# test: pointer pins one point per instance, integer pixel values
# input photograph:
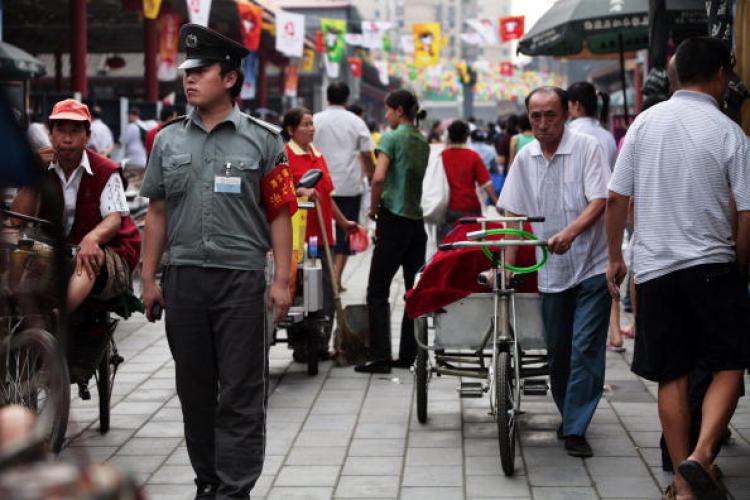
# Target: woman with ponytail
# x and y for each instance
(583, 99)
(400, 239)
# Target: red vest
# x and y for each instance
(127, 242)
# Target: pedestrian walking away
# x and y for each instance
(220, 197)
(400, 238)
(563, 176)
(685, 163)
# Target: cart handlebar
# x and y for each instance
(26, 218)
(492, 244)
(479, 220)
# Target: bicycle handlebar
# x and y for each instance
(492, 244)
(479, 220)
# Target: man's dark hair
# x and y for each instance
(86, 125)
(458, 132)
(166, 113)
(224, 69)
(372, 125)
(96, 112)
(698, 59)
(357, 109)
(561, 94)
(337, 93)
(523, 122)
(134, 111)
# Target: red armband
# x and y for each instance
(277, 190)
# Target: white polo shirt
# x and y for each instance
(560, 189)
(341, 136)
(591, 126)
(112, 199)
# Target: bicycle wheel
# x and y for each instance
(35, 375)
(505, 412)
(420, 370)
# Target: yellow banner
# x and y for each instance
(308, 61)
(426, 44)
(151, 8)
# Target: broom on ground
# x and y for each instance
(350, 344)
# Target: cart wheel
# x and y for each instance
(35, 375)
(312, 336)
(421, 370)
(505, 412)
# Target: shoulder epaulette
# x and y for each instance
(173, 121)
(268, 126)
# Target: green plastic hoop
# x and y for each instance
(524, 234)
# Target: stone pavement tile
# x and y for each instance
(307, 475)
(427, 493)
(330, 422)
(283, 429)
(299, 493)
(560, 475)
(84, 454)
(262, 487)
(159, 395)
(536, 457)
(484, 430)
(602, 430)
(620, 487)
(323, 438)
(367, 487)
(384, 416)
(437, 421)
(646, 439)
(136, 408)
(739, 448)
(481, 448)
(545, 439)
(434, 456)
(168, 415)
(372, 466)
(652, 456)
(338, 407)
(345, 383)
(380, 430)
(613, 446)
(318, 455)
(641, 423)
(484, 415)
(272, 464)
(161, 429)
(434, 439)
(158, 383)
(150, 446)
(734, 466)
(179, 457)
(432, 475)
(376, 448)
(739, 487)
(286, 414)
(173, 474)
(133, 463)
(530, 421)
(169, 492)
(605, 467)
(663, 478)
(115, 437)
(496, 486)
(554, 493)
(128, 421)
(490, 466)
(278, 445)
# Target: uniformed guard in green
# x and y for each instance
(220, 198)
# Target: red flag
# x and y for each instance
(277, 190)
(355, 65)
(511, 28)
(320, 44)
(507, 68)
(251, 24)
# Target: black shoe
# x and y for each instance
(577, 446)
(206, 491)
(559, 432)
(374, 366)
(402, 363)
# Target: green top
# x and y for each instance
(409, 152)
(207, 228)
(523, 140)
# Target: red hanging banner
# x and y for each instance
(169, 41)
(507, 68)
(355, 65)
(511, 28)
(251, 23)
(320, 44)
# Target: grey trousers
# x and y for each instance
(214, 322)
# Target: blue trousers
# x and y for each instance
(576, 323)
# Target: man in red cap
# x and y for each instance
(95, 216)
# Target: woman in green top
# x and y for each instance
(518, 141)
(400, 238)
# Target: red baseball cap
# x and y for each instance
(70, 109)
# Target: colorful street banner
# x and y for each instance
(169, 41)
(150, 8)
(407, 44)
(251, 23)
(290, 33)
(308, 61)
(354, 39)
(382, 67)
(426, 44)
(511, 28)
(472, 38)
(291, 79)
(333, 68)
(199, 11)
(320, 43)
(250, 68)
(387, 43)
(485, 28)
(355, 66)
(333, 35)
(373, 33)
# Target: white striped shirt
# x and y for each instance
(681, 160)
(560, 190)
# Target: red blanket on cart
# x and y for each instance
(452, 274)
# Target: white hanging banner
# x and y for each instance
(484, 28)
(373, 32)
(472, 38)
(354, 39)
(199, 11)
(382, 67)
(333, 69)
(290, 33)
(407, 44)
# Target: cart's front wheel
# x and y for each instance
(421, 370)
(505, 411)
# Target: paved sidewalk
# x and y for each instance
(347, 435)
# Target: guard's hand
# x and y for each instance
(561, 242)
(616, 272)
(310, 193)
(90, 258)
(152, 294)
(372, 214)
(350, 226)
(48, 155)
(279, 299)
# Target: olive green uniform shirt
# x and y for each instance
(409, 152)
(207, 228)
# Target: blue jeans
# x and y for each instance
(576, 323)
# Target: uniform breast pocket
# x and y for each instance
(176, 169)
(244, 168)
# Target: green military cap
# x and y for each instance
(204, 46)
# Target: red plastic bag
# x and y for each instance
(358, 241)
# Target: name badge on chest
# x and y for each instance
(227, 184)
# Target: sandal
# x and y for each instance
(670, 493)
(615, 348)
(701, 482)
